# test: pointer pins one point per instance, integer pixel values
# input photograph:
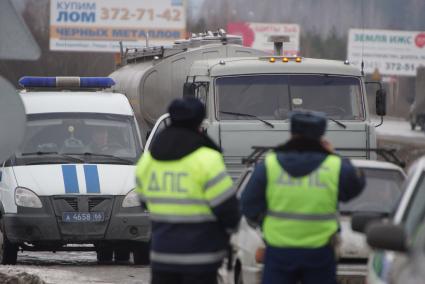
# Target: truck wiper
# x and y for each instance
(38, 153)
(338, 122)
(249, 115)
(41, 153)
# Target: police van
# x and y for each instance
(70, 186)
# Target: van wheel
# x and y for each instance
(141, 254)
(121, 255)
(8, 251)
(104, 256)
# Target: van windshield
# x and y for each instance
(101, 138)
(272, 97)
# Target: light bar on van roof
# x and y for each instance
(66, 82)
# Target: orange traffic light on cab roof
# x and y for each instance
(298, 59)
(285, 59)
(272, 60)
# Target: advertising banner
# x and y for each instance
(256, 35)
(99, 25)
(388, 52)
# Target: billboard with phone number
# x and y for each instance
(389, 52)
(99, 25)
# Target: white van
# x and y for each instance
(70, 185)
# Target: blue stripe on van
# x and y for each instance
(70, 178)
(92, 178)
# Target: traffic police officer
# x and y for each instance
(190, 198)
(294, 194)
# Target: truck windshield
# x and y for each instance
(381, 194)
(272, 97)
(101, 138)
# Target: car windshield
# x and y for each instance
(272, 97)
(381, 194)
(98, 136)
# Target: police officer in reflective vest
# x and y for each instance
(294, 195)
(190, 198)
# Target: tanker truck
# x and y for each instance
(247, 93)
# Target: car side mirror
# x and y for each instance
(189, 90)
(381, 102)
(360, 220)
(387, 237)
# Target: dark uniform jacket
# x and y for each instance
(174, 143)
(298, 157)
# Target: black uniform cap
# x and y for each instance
(309, 124)
(188, 112)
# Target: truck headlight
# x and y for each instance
(26, 198)
(131, 200)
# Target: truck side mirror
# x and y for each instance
(189, 90)
(148, 133)
(381, 102)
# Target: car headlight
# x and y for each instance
(26, 198)
(131, 200)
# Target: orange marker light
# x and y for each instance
(285, 59)
(298, 59)
(272, 59)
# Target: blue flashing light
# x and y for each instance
(96, 82)
(41, 82)
(66, 82)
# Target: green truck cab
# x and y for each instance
(249, 95)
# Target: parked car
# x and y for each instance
(383, 190)
(400, 244)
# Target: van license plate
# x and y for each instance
(83, 217)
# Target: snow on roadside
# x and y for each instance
(399, 129)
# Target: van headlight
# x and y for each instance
(26, 198)
(131, 200)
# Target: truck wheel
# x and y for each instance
(8, 251)
(104, 256)
(412, 125)
(141, 254)
(121, 255)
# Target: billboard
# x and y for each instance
(256, 35)
(389, 52)
(99, 25)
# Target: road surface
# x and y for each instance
(75, 267)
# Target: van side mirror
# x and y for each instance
(189, 90)
(381, 102)
(387, 237)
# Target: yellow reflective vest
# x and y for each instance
(184, 190)
(302, 211)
